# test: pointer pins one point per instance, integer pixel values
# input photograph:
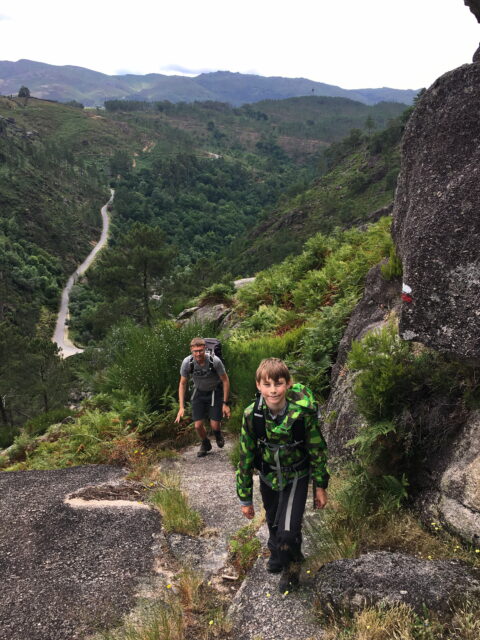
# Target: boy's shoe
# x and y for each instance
(273, 566)
(205, 447)
(219, 439)
(290, 578)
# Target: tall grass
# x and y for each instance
(172, 503)
(243, 357)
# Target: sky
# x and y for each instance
(404, 44)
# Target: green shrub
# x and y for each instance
(86, 441)
(216, 293)
(244, 548)
(39, 424)
(312, 362)
(147, 361)
(243, 357)
(268, 318)
(387, 372)
(393, 268)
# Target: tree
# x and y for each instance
(370, 124)
(132, 270)
(24, 92)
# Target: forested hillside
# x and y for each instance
(191, 181)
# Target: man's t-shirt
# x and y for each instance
(204, 378)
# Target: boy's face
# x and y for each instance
(274, 392)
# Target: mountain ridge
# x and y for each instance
(92, 88)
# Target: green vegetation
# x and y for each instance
(177, 516)
(189, 607)
(401, 622)
(244, 548)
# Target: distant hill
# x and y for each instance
(91, 88)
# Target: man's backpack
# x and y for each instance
(213, 347)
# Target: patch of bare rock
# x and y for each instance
(67, 572)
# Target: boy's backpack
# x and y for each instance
(260, 432)
(213, 347)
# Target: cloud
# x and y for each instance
(184, 71)
(4, 17)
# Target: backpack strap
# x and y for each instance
(192, 364)
(298, 439)
(259, 424)
(260, 433)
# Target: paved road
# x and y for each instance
(66, 572)
(60, 335)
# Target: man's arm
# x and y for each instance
(182, 389)
(226, 393)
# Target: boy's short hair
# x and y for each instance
(272, 368)
(197, 342)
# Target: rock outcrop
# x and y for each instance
(474, 6)
(214, 313)
(437, 216)
(392, 578)
(341, 418)
(449, 489)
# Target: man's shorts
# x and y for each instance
(207, 404)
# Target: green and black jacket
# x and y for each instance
(300, 404)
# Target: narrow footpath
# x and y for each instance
(258, 610)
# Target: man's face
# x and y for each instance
(274, 392)
(198, 352)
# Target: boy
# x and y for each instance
(210, 393)
(281, 438)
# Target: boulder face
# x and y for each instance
(437, 217)
(449, 492)
(392, 578)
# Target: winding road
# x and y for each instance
(60, 336)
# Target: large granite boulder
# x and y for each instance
(449, 487)
(382, 577)
(437, 216)
(474, 6)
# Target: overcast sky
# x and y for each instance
(405, 44)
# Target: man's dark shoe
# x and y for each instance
(290, 578)
(273, 566)
(205, 447)
(220, 440)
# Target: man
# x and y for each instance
(210, 394)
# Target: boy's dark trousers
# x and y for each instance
(285, 528)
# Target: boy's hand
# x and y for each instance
(321, 498)
(249, 511)
(180, 414)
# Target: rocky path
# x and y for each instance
(258, 610)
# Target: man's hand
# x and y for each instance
(225, 411)
(180, 414)
(321, 498)
(249, 511)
